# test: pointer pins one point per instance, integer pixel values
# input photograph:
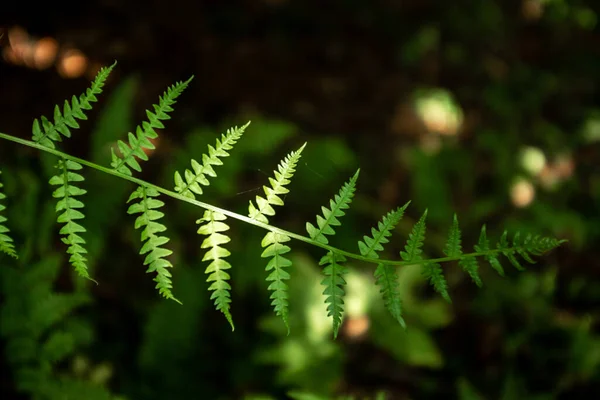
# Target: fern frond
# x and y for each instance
(454, 249)
(334, 283)
(483, 246)
(505, 249)
(201, 172)
(470, 265)
(330, 217)
(275, 249)
(70, 207)
(413, 252)
(369, 246)
(6, 242)
(416, 238)
(148, 207)
(285, 172)
(273, 242)
(386, 276)
(433, 272)
(145, 132)
(531, 245)
(216, 254)
(49, 132)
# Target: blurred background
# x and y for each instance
(489, 109)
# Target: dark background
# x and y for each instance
(378, 85)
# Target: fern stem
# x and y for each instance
(251, 221)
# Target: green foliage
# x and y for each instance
(145, 132)
(213, 229)
(274, 246)
(41, 334)
(68, 207)
(70, 114)
(385, 275)
(201, 172)
(273, 241)
(454, 249)
(334, 271)
(148, 207)
(6, 242)
(431, 270)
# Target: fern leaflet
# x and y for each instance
(330, 217)
(272, 242)
(275, 249)
(148, 207)
(6, 242)
(141, 140)
(433, 272)
(385, 275)
(483, 246)
(334, 272)
(334, 283)
(201, 172)
(216, 255)
(413, 252)
(454, 249)
(71, 112)
(69, 208)
(285, 172)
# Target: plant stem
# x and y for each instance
(240, 217)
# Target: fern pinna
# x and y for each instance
(212, 221)
(385, 275)
(334, 270)
(214, 228)
(273, 242)
(68, 206)
(130, 153)
(6, 242)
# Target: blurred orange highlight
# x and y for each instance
(72, 64)
(23, 49)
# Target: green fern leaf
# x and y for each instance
(334, 283)
(453, 249)
(369, 246)
(483, 246)
(49, 132)
(386, 276)
(6, 242)
(509, 252)
(272, 241)
(216, 254)
(275, 249)
(145, 132)
(538, 245)
(155, 259)
(412, 250)
(200, 172)
(453, 245)
(330, 217)
(433, 272)
(285, 172)
(470, 265)
(68, 207)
